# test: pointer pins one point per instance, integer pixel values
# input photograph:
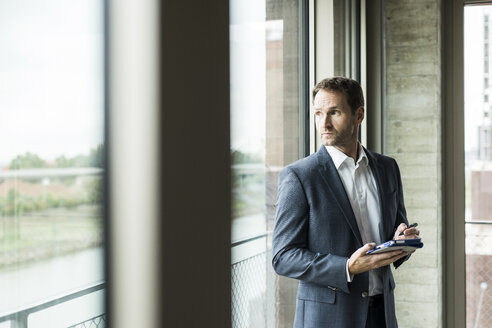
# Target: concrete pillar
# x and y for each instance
(413, 138)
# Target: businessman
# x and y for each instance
(332, 207)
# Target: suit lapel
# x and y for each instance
(378, 171)
(330, 176)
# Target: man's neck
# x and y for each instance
(351, 151)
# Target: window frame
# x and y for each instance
(324, 57)
(453, 250)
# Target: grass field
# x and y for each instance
(39, 235)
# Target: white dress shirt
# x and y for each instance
(361, 189)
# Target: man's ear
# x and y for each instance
(359, 114)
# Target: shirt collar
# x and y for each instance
(339, 157)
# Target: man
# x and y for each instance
(334, 206)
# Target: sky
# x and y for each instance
(474, 75)
(249, 33)
(51, 77)
(473, 70)
(248, 76)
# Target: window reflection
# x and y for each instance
(264, 105)
(51, 158)
(265, 136)
(478, 167)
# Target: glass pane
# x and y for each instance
(265, 125)
(51, 159)
(478, 167)
(264, 104)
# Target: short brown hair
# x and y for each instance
(349, 87)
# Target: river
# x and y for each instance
(44, 280)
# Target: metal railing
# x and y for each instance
(19, 319)
(95, 322)
(478, 246)
(249, 277)
(249, 293)
(247, 240)
(50, 173)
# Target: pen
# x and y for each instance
(413, 225)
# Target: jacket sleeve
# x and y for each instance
(401, 213)
(291, 256)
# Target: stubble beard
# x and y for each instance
(341, 140)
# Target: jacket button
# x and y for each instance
(365, 294)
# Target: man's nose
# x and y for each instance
(327, 121)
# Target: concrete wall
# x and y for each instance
(413, 138)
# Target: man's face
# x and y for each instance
(335, 122)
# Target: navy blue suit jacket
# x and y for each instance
(316, 232)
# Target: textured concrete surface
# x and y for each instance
(413, 138)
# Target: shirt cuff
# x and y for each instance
(350, 277)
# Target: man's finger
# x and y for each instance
(391, 259)
(411, 231)
(412, 237)
(399, 230)
(363, 250)
(366, 248)
(401, 227)
(396, 258)
(387, 255)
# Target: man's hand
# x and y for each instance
(411, 233)
(361, 262)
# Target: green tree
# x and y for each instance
(62, 161)
(93, 159)
(26, 161)
(238, 157)
(96, 156)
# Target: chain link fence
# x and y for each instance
(96, 322)
(478, 275)
(249, 286)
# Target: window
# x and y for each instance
(478, 172)
(486, 27)
(52, 141)
(271, 128)
(267, 118)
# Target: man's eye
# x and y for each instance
(317, 113)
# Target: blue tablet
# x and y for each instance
(406, 245)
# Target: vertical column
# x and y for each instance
(454, 161)
(413, 137)
(169, 164)
(133, 169)
(194, 252)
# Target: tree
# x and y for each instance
(26, 161)
(62, 161)
(96, 156)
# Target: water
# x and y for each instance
(44, 280)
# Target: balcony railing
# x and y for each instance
(250, 274)
(19, 318)
(478, 249)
